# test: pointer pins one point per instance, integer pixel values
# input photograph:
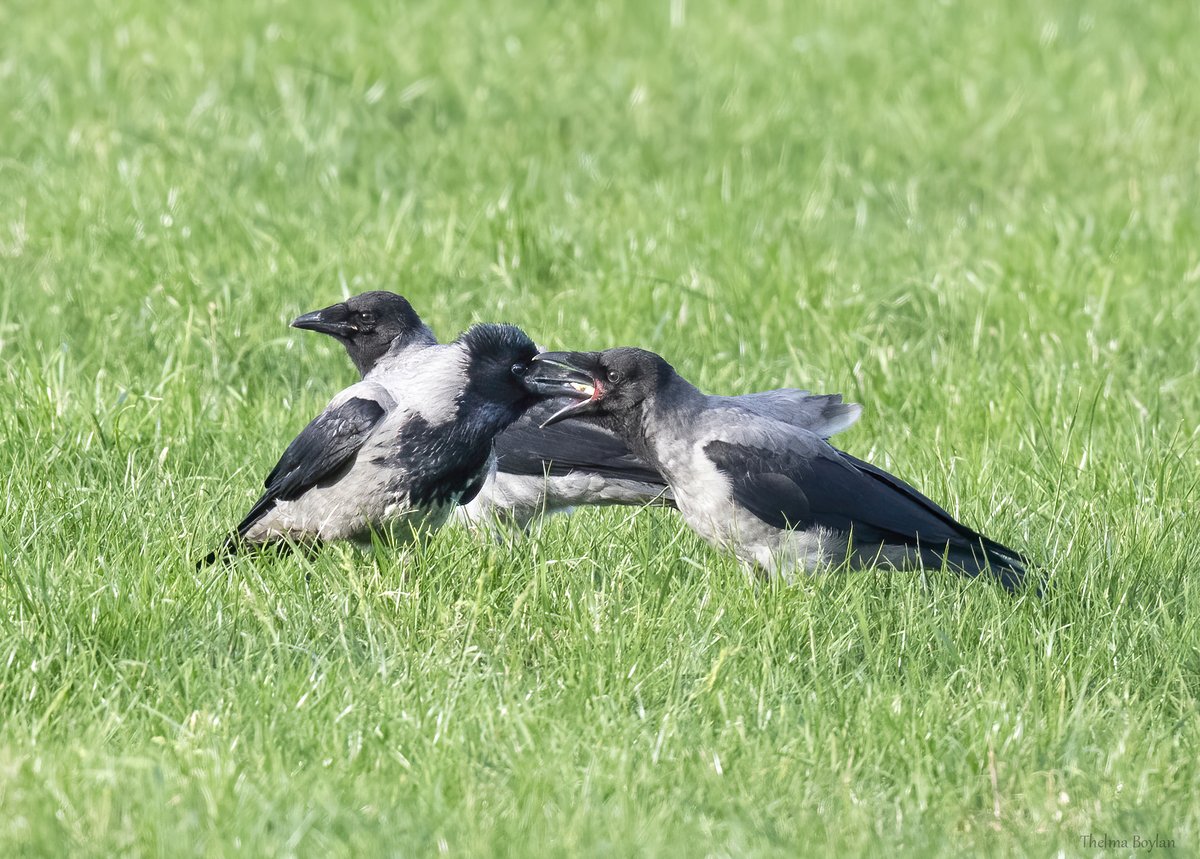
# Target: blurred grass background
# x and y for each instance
(979, 221)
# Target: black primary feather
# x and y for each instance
(992, 546)
(322, 450)
(568, 448)
(829, 489)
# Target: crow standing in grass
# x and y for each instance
(536, 473)
(396, 452)
(777, 495)
(547, 471)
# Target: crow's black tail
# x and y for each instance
(223, 553)
(987, 557)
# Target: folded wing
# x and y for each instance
(321, 451)
(569, 448)
(804, 483)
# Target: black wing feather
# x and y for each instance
(931, 506)
(568, 448)
(787, 489)
(473, 488)
(322, 449)
(830, 489)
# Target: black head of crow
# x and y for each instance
(370, 326)
(611, 387)
(498, 357)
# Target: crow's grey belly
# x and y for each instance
(325, 514)
(518, 499)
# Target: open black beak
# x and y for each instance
(333, 320)
(565, 374)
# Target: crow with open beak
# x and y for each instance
(394, 453)
(775, 494)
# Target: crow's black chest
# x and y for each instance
(441, 465)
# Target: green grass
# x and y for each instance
(979, 220)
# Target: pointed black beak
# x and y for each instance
(334, 320)
(565, 374)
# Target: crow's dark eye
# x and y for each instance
(614, 376)
(367, 317)
(519, 368)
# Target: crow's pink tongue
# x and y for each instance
(589, 394)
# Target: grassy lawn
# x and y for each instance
(980, 220)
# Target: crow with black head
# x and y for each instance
(773, 492)
(370, 326)
(396, 452)
(614, 388)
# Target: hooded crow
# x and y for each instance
(775, 494)
(540, 472)
(394, 453)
